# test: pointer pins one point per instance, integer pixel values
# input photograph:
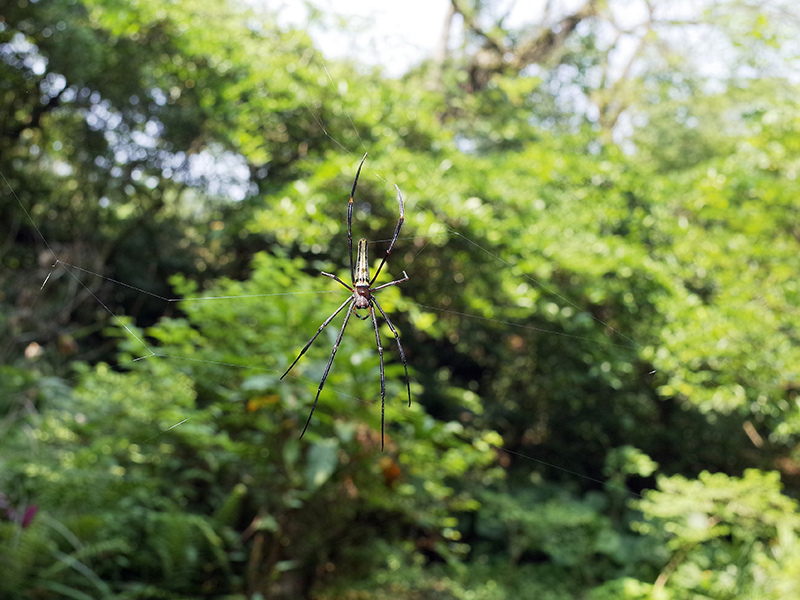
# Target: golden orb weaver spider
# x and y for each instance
(362, 298)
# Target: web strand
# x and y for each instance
(540, 285)
(184, 299)
(30, 218)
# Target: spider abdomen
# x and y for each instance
(362, 268)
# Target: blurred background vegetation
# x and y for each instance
(602, 234)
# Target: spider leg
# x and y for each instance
(321, 327)
(350, 219)
(394, 237)
(335, 278)
(399, 346)
(395, 282)
(383, 376)
(328, 368)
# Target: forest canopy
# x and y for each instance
(601, 321)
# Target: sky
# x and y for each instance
(395, 35)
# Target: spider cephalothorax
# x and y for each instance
(362, 298)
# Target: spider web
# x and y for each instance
(60, 271)
(82, 277)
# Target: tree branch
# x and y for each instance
(496, 55)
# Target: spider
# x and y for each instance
(362, 298)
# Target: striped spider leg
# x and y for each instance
(362, 298)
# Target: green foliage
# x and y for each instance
(728, 537)
(582, 325)
(108, 502)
